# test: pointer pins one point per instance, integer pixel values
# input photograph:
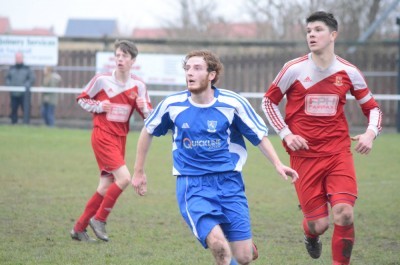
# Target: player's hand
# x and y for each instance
(142, 105)
(295, 142)
(286, 171)
(364, 142)
(106, 105)
(139, 183)
(140, 102)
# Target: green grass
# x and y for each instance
(47, 175)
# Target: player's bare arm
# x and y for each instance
(296, 142)
(139, 178)
(364, 142)
(284, 171)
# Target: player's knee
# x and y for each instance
(244, 258)
(321, 229)
(218, 246)
(318, 227)
(220, 250)
(123, 183)
(102, 188)
(343, 214)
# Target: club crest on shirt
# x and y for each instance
(338, 81)
(133, 95)
(212, 125)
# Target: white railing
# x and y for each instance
(77, 91)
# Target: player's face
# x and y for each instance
(123, 61)
(319, 37)
(198, 79)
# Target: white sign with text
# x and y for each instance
(37, 50)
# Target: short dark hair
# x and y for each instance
(211, 59)
(127, 47)
(325, 17)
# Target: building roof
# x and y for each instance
(5, 25)
(33, 32)
(227, 30)
(5, 28)
(149, 33)
(91, 28)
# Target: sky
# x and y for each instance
(130, 14)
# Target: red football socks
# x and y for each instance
(90, 210)
(110, 199)
(342, 244)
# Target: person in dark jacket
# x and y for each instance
(20, 75)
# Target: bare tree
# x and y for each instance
(285, 20)
(278, 20)
(195, 20)
(388, 29)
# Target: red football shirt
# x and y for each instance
(121, 95)
(315, 104)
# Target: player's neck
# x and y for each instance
(122, 76)
(323, 60)
(203, 97)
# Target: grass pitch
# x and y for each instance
(47, 175)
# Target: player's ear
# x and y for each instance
(211, 75)
(334, 35)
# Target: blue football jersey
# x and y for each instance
(207, 138)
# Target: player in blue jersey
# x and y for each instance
(208, 125)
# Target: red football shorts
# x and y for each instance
(323, 180)
(109, 150)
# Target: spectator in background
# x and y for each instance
(20, 75)
(49, 99)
